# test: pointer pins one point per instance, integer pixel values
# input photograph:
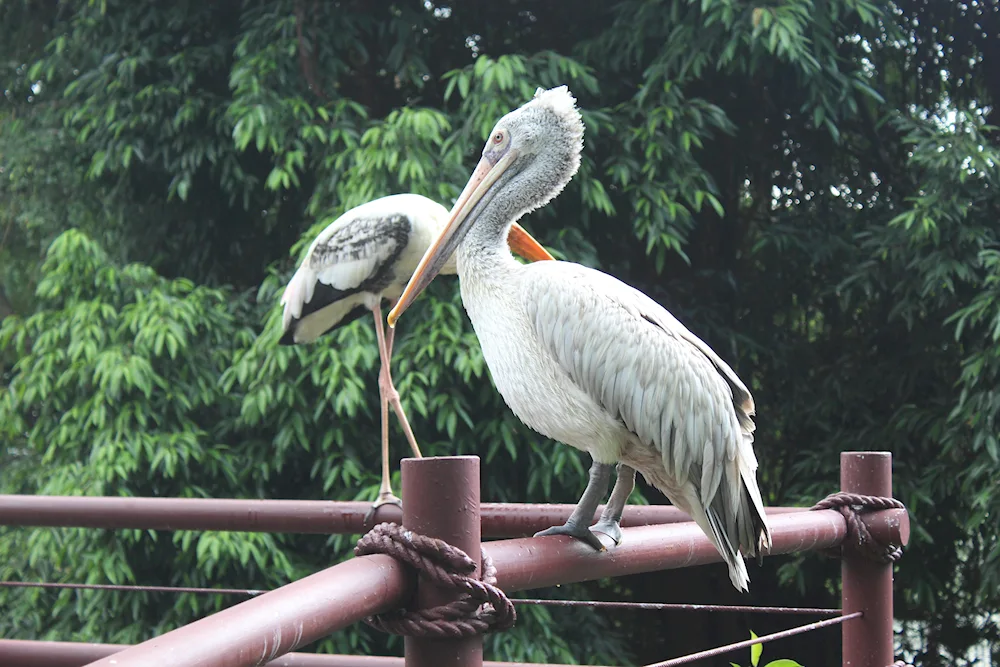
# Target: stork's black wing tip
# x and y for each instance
(288, 338)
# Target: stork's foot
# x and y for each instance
(610, 528)
(384, 498)
(579, 531)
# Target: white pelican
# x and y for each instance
(364, 256)
(587, 360)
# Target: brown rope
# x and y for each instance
(481, 608)
(850, 506)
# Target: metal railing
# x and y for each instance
(441, 500)
(322, 517)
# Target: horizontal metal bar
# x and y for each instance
(279, 621)
(548, 561)
(21, 653)
(323, 517)
(538, 562)
(747, 643)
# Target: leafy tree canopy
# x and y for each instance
(810, 185)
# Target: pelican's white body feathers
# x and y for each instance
(587, 360)
(614, 374)
(364, 256)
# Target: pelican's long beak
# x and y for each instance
(455, 230)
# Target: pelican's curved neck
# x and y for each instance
(485, 248)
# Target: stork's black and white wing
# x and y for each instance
(637, 361)
(350, 261)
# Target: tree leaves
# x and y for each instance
(811, 187)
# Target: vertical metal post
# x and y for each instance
(441, 499)
(867, 585)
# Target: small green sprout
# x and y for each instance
(758, 649)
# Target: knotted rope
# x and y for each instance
(850, 506)
(481, 608)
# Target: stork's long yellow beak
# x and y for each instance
(458, 225)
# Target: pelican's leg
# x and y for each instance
(610, 521)
(578, 524)
(385, 494)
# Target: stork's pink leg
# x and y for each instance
(385, 494)
(385, 380)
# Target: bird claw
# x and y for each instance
(384, 498)
(574, 530)
(610, 528)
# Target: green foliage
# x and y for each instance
(128, 363)
(810, 185)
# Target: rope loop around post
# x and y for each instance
(851, 506)
(482, 607)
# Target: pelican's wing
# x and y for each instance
(353, 255)
(668, 387)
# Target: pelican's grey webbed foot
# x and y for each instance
(610, 528)
(610, 522)
(579, 521)
(384, 498)
(577, 530)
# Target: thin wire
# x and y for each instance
(249, 592)
(660, 606)
(729, 648)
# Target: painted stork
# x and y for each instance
(362, 258)
(587, 360)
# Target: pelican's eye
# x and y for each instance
(498, 137)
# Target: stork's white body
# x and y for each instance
(365, 256)
(362, 258)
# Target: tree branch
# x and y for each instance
(307, 59)
(6, 308)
